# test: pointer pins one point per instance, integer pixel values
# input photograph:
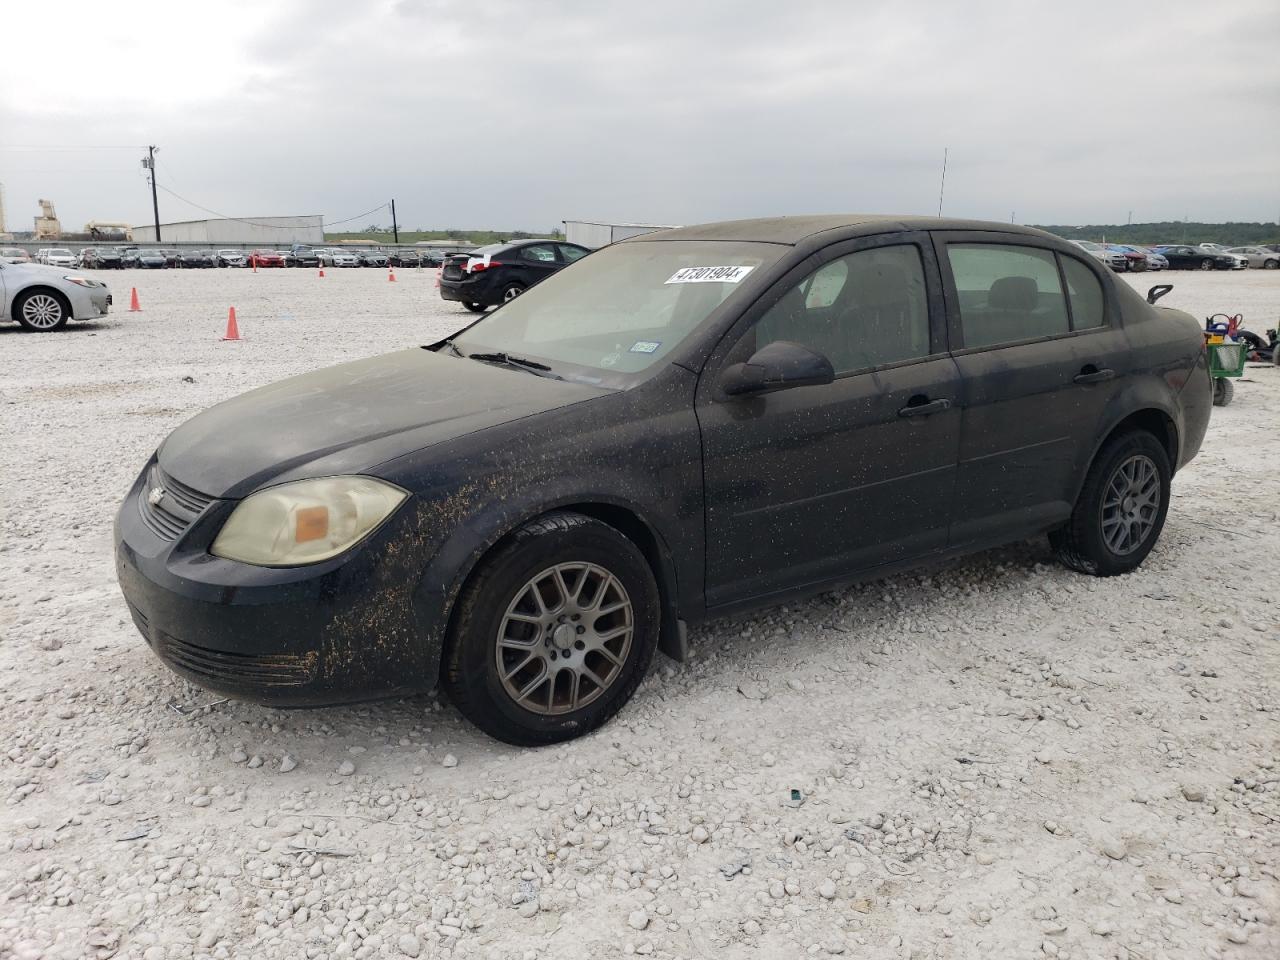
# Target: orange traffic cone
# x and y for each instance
(133, 302)
(391, 274)
(233, 331)
(322, 273)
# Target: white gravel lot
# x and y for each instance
(998, 758)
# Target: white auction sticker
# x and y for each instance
(709, 274)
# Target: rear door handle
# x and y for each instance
(1089, 375)
(926, 408)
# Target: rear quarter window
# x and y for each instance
(1085, 293)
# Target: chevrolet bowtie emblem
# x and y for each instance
(155, 495)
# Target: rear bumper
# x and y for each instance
(478, 289)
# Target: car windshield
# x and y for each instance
(620, 311)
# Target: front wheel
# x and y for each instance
(1121, 508)
(554, 632)
(1223, 391)
(1206, 264)
(474, 307)
(41, 311)
(1270, 264)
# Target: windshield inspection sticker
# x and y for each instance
(709, 274)
(645, 346)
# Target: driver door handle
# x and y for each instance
(925, 408)
(1088, 375)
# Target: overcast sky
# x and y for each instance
(488, 113)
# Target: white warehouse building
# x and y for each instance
(264, 230)
(594, 234)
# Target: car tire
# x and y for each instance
(527, 644)
(1223, 391)
(1206, 264)
(474, 307)
(1270, 264)
(1114, 524)
(511, 291)
(41, 310)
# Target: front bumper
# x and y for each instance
(341, 631)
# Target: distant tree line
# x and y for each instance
(1176, 231)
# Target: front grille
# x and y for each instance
(176, 508)
(280, 670)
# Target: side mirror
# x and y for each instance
(777, 366)
(1158, 291)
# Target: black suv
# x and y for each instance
(500, 272)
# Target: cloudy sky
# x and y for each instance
(489, 113)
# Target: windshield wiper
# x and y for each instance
(520, 363)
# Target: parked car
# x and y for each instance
(267, 258)
(56, 257)
(129, 257)
(230, 258)
(152, 260)
(686, 424)
(1182, 256)
(1155, 261)
(495, 274)
(1260, 258)
(14, 255)
(1100, 253)
(110, 258)
(404, 258)
(1134, 261)
(325, 255)
(373, 258)
(170, 257)
(432, 258)
(43, 298)
(195, 259)
(1240, 262)
(345, 258)
(302, 255)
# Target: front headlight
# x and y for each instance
(82, 281)
(306, 521)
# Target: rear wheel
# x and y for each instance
(511, 291)
(1223, 391)
(474, 307)
(554, 632)
(1206, 264)
(41, 311)
(1121, 509)
(1270, 264)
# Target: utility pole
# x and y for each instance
(395, 227)
(149, 161)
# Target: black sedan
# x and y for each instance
(151, 260)
(195, 259)
(495, 274)
(373, 258)
(405, 258)
(686, 424)
(1184, 257)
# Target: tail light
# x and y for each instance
(482, 266)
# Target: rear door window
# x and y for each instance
(569, 254)
(539, 253)
(1007, 293)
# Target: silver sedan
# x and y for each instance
(43, 298)
(1260, 258)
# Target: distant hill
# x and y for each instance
(1147, 234)
(465, 236)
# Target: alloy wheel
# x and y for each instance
(1130, 505)
(42, 311)
(564, 638)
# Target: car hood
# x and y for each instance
(40, 270)
(352, 417)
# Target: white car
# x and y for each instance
(1258, 257)
(43, 298)
(1241, 261)
(14, 255)
(230, 258)
(57, 257)
(325, 255)
(1116, 261)
(345, 258)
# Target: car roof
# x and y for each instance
(794, 230)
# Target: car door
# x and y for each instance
(814, 484)
(538, 261)
(1038, 365)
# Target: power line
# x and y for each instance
(70, 149)
(272, 226)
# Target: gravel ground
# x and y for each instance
(994, 758)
